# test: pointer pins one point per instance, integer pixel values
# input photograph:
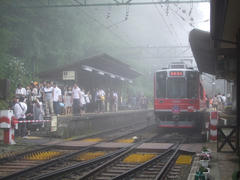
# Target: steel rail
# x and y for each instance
(114, 159)
(78, 165)
(168, 164)
(91, 173)
(59, 159)
(83, 164)
(20, 155)
(134, 170)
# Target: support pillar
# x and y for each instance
(238, 89)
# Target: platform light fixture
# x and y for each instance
(112, 76)
(100, 72)
(87, 68)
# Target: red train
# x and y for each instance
(179, 97)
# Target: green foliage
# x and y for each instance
(35, 40)
(13, 69)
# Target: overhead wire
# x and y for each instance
(106, 27)
(103, 25)
(173, 32)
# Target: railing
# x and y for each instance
(227, 135)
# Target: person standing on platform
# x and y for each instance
(108, 99)
(115, 101)
(88, 101)
(207, 101)
(102, 100)
(82, 101)
(38, 111)
(67, 100)
(48, 91)
(20, 109)
(98, 100)
(76, 94)
(224, 100)
(215, 103)
(20, 91)
(220, 104)
(57, 98)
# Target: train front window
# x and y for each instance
(176, 88)
(192, 85)
(161, 84)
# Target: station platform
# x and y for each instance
(222, 165)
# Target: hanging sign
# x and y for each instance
(68, 75)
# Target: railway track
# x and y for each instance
(126, 166)
(131, 163)
(28, 165)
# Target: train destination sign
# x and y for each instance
(68, 75)
(176, 73)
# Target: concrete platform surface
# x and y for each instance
(76, 143)
(155, 146)
(222, 165)
(196, 147)
(113, 145)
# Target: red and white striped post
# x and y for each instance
(213, 125)
(8, 123)
(207, 126)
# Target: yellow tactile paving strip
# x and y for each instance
(184, 159)
(125, 141)
(92, 140)
(7, 154)
(90, 155)
(43, 155)
(139, 157)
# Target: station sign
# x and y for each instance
(68, 75)
(54, 124)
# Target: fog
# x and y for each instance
(147, 37)
(151, 32)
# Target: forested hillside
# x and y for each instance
(34, 40)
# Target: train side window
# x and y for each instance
(201, 91)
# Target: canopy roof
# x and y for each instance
(216, 51)
(102, 64)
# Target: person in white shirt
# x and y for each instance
(102, 97)
(20, 91)
(220, 102)
(57, 98)
(48, 92)
(115, 101)
(82, 101)
(67, 100)
(87, 99)
(76, 94)
(20, 109)
(224, 99)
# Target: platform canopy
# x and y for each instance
(203, 53)
(90, 71)
(216, 51)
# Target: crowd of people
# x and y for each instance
(217, 102)
(39, 100)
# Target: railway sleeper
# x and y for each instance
(146, 176)
(109, 174)
(119, 171)
(172, 177)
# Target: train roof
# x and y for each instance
(177, 66)
(177, 70)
